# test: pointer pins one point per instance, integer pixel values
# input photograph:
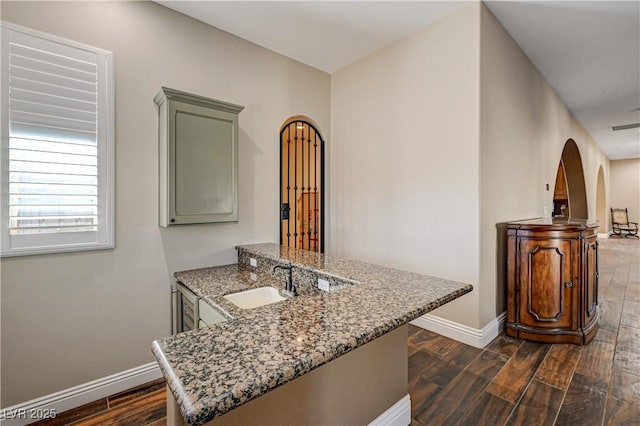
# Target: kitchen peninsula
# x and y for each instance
(336, 356)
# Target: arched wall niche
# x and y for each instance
(571, 166)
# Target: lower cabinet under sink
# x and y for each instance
(190, 311)
(208, 315)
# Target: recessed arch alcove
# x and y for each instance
(575, 195)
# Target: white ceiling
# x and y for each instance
(589, 51)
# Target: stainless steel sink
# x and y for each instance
(255, 297)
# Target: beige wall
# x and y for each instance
(436, 139)
(404, 156)
(625, 187)
(524, 126)
(71, 318)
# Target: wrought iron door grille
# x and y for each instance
(301, 183)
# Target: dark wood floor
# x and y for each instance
(514, 382)
(510, 382)
(144, 405)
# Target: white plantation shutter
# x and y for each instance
(57, 144)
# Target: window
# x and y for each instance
(57, 144)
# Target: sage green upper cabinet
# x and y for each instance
(198, 159)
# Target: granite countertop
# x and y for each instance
(217, 368)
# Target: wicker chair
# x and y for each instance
(620, 225)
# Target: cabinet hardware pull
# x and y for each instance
(568, 284)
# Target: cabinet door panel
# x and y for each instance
(591, 277)
(198, 159)
(546, 286)
(204, 167)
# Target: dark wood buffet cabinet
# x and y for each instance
(552, 280)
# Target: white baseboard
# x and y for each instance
(399, 414)
(56, 403)
(603, 235)
(478, 338)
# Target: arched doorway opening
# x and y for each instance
(570, 195)
(301, 184)
(601, 203)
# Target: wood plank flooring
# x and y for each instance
(144, 405)
(510, 382)
(514, 382)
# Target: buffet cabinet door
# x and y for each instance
(548, 287)
(590, 279)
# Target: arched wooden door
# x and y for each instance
(301, 185)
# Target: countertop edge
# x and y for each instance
(188, 411)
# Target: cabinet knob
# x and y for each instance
(568, 284)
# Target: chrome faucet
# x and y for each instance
(289, 288)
